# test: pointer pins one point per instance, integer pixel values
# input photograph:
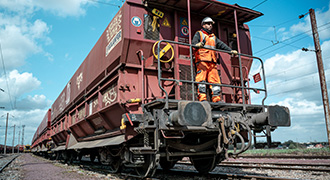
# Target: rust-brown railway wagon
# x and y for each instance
(42, 136)
(132, 102)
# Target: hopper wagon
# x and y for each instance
(132, 103)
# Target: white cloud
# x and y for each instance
(322, 18)
(19, 84)
(22, 83)
(301, 107)
(35, 102)
(20, 39)
(293, 81)
(294, 72)
(31, 119)
(63, 7)
(18, 6)
(21, 36)
(58, 7)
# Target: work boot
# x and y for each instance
(216, 99)
(202, 97)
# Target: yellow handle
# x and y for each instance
(163, 51)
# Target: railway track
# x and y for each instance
(5, 160)
(284, 157)
(178, 173)
(229, 169)
(218, 175)
(277, 163)
(280, 167)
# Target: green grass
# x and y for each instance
(269, 152)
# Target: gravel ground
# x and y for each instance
(297, 161)
(28, 166)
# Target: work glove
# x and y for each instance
(200, 44)
(234, 52)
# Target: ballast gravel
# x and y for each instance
(31, 167)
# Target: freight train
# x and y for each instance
(133, 104)
(9, 149)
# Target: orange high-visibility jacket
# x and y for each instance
(209, 42)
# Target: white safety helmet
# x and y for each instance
(207, 19)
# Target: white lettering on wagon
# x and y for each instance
(114, 26)
(109, 96)
(79, 80)
(62, 100)
(115, 40)
(113, 33)
(68, 92)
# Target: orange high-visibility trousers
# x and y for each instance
(207, 72)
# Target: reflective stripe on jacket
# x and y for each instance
(206, 54)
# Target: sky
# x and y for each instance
(44, 42)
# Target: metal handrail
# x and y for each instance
(221, 85)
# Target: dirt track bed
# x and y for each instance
(28, 166)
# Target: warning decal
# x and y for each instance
(184, 22)
(166, 23)
(184, 30)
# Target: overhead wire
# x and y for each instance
(283, 46)
(290, 44)
(295, 78)
(292, 90)
(277, 25)
(306, 32)
(101, 2)
(280, 24)
(295, 67)
(258, 4)
(283, 41)
(6, 77)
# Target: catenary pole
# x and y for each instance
(23, 135)
(5, 149)
(320, 66)
(19, 136)
(13, 147)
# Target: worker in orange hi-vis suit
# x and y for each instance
(206, 60)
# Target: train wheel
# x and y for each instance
(65, 156)
(92, 157)
(205, 164)
(107, 159)
(80, 157)
(114, 166)
(72, 157)
(148, 167)
(167, 165)
(58, 156)
(53, 156)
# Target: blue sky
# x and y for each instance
(43, 43)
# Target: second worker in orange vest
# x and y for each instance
(206, 60)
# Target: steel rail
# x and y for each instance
(11, 160)
(275, 163)
(85, 164)
(286, 157)
(258, 166)
(99, 168)
(221, 175)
